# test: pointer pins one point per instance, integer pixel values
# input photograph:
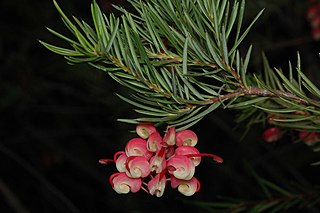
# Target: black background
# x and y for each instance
(58, 120)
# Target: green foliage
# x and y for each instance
(276, 199)
(180, 61)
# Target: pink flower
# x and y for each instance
(157, 185)
(123, 184)
(186, 138)
(144, 130)
(186, 187)
(181, 167)
(137, 167)
(170, 137)
(137, 147)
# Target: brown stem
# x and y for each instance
(256, 91)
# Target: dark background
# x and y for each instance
(58, 120)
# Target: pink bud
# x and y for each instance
(181, 167)
(123, 184)
(154, 142)
(144, 130)
(185, 187)
(186, 138)
(170, 137)
(189, 150)
(157, 185)
(137, 147)
(137, 167)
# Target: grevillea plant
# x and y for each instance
(150, 161)
(180, 60)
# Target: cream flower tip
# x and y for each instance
(123, 184)
(186, 187)
(186, 138)
(144, 130)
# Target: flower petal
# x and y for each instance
(137, 167)
(185, 187)
(144, 130)
(158, 163)
(189, 150)
(123, 184)
(138, 147)
(186, 138)
(157, 185)
(170, 137)
(121, 162)
(154, 142)
(181, 167)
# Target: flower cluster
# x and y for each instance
(150, 161)
(313, 15)
(275, 133)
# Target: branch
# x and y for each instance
(256, 91)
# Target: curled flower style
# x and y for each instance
(185, 187)
(138, 147)
(144, 130)
(123, 184)
(181, 167)
(157, 185)
(137, 167)
(150, 161)
(186, 138)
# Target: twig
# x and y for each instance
(256, 91)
